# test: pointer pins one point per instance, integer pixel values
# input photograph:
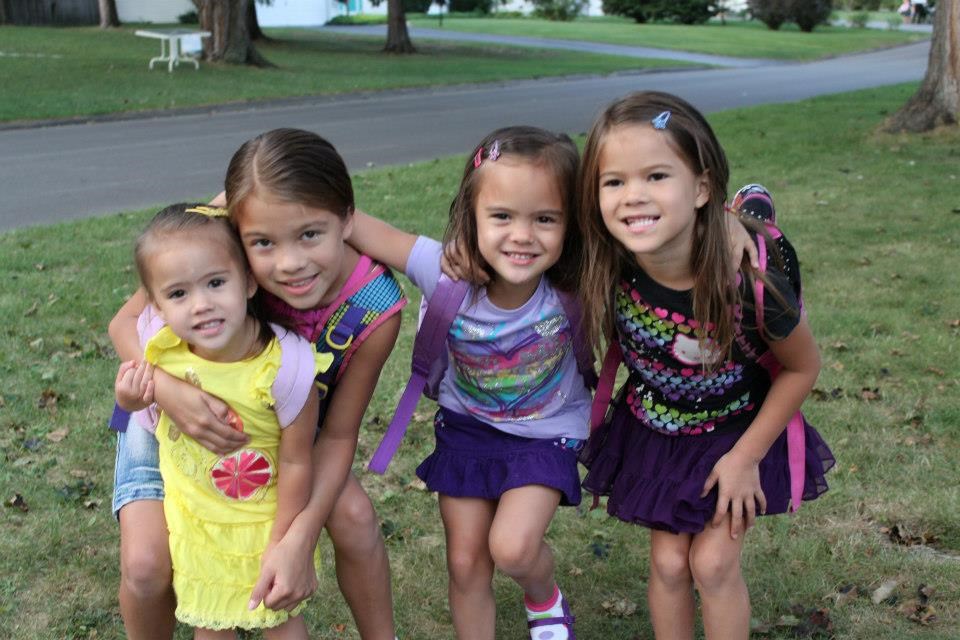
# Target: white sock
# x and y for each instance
(552, 608)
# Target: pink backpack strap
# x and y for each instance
(604, 393)
(796, 435)
(294, 381)
(428, 347)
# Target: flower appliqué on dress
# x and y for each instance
(241, 475)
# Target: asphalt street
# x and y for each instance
(57, 173)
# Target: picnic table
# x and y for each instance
(171, 45)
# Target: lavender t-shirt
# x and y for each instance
(514, 369)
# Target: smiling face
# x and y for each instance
(201, 293)
(520, 226)
(296, 252)
(649, 195)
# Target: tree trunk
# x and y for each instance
(253, 25)
(230, 41)
(108, 13)
(398, 38)
(937, 101)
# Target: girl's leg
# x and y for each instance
(519, 550)
(363, 570)
(466, 522)
(147, 602)
(293, 629)
(210, 634)
(146, 595)
(715, 564)
(670, 590)
(516, 538)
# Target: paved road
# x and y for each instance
(56, 173)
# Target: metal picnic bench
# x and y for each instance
(171, 45)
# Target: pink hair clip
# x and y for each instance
(477, 159)
(494, 151)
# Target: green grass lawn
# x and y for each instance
(744, 39)
(876, 220)
(62, 73)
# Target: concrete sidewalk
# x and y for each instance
(418, 33)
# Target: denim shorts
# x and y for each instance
(136, 473)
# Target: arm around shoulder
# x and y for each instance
(381, 241)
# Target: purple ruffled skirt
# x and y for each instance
(655, 480)
(475, 460)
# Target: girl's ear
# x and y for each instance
(703, 188)
(251, 284)
(347, 226)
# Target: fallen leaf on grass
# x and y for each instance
(619, 607)
(32, 310)
(416, 485)
(868, 394)
(76, 491)
(339, 627)
(936, 371)
(3, 402)
(821, 395)
(844, 595)
(58, 435)
(802, 623)
(36, 344)
(575, 571)
(91, 504)
(900, 534)
(600, 549)
(839, 346)
(424, 416)
(918, 609)
(954, 323)
(48, 400)
(884, 591)
(17, 502)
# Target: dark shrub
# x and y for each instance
(562, 10)
(772, 13)
(809, 13)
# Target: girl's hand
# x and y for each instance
(741, 242)
(452, 263)
(203, 417)
(737, 478)
(134, 385)
(287, 576)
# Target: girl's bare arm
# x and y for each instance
(286, 574)
(381, 241)
(737, 473)
(200, 415)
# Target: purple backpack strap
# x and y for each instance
(581, 350)
(428, 346)
(796, 429)
(119, 419)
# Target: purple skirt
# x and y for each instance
(655, 480)
(475, 460)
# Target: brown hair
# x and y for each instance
(714, 290)
(192, 219)
(558, 154)
(292, 165)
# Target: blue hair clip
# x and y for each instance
(660, 122)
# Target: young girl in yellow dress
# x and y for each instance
(222, 512)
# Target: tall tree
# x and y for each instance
(227, 21)
(108, 13)
(937, 101)
(398, 38)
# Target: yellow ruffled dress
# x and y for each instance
(220, 510)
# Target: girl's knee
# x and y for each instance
(145, 574)
(467, 566)
(353, 525)
(511, 553)
(671, 565)
(713, 570)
